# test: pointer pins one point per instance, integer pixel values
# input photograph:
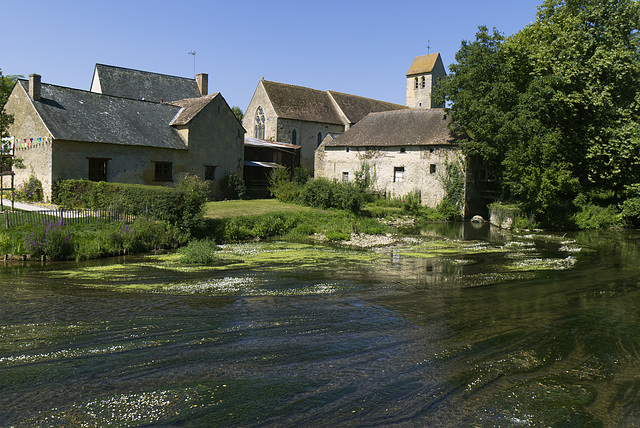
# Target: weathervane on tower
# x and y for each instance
(428, 47)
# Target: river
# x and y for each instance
(493, 329)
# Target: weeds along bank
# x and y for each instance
(169, 218)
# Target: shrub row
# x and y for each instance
(319, 193)
(180, 206)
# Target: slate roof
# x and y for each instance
(136, 84)
(423, 64)
(398, 128)
(190, 107)
(312, 105)
(77, 115)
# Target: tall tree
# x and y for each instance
(6, 85)
(554, 110)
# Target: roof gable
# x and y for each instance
(77, 115)
(190, 107)
(142, 85)
(398, 128)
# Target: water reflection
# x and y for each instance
(456, 339)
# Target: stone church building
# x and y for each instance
(407, 150)
(304, 116)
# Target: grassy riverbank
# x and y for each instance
(223, 222)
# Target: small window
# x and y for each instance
(319, 138)
(98, 169)
(423, 84)
(209, 172)
(345, 177)
(398, 174)
(294, 137)
(403, 150)
(163, 171)
(415, 82)
(347, 149)
(432, 168)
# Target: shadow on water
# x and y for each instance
(505, 333)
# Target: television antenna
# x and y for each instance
(194, 61)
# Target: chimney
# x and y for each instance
(34, 87)
(203, 83)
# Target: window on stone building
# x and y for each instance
(294, 137)
(259, 125)
(163, 171)
(432, 168)
(403, 150)
(398, 174)
(319, 138)
(415, 82)
(423, 83)
(98, 169)
(209, 172)
(345, 177)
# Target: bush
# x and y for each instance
(50, 240)
(596, 217)
(322, 193)
(233, 187)
(200, 252)
(30, 191)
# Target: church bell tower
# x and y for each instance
(423, 75)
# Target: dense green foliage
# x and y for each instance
(6, 86)
(181, 206)
(233, 186)
(317, 193)
(296, 226)
(30, 191)
(59, 240)
(554, 110)
(199, 252)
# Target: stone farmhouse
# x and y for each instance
(407, 151)
(304, 116)
(132, 127)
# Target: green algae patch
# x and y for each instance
(440, 248)
(166, 272)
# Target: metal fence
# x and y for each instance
(25, 218)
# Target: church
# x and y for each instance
(407, 150)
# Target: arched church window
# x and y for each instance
(294, 137)
(423, 84)
(415, 81)
(319, 138)
(259, 129)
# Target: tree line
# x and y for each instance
(553, 111)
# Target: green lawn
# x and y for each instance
(225, 209)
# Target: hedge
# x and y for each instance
(173, 205)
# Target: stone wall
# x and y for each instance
(398, 170)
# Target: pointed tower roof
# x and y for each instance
(423, 64)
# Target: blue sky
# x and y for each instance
(358, 47)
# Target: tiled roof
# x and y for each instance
(312, 105)
(76, 115)
(190, 107)
(423, 64)
(144, 85)
(300, 103)
(355, 107)
(398, 128)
